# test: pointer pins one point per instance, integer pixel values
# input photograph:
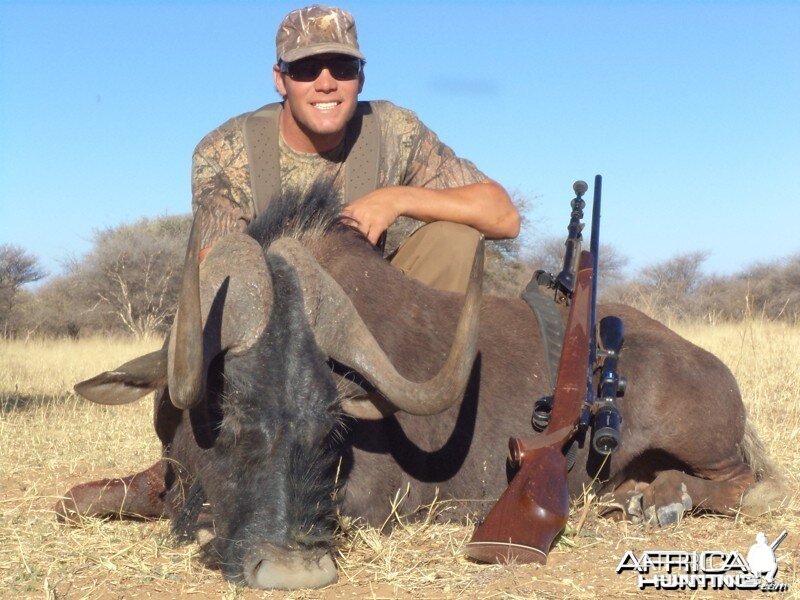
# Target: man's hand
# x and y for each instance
(374, 213)
(483, 206)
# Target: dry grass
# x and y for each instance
(51, 440)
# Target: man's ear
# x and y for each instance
(361, 82)
(277, 77)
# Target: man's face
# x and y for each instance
(320, 98)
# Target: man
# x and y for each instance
(319, 74)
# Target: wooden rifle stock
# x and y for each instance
(534, 508)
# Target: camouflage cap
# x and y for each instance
(316, 30)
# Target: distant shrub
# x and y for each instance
(677, 289)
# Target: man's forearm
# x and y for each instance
(484, 206)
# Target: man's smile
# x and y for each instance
(325, 106)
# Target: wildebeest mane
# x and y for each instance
(304, 215)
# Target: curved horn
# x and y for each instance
(185, 373)
(343, 335)
(223, 306)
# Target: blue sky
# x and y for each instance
(689, 110)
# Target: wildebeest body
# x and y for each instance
(677, 393)
(265, 441)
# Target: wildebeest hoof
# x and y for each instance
(670, 514)
(634, 508)
(686, 499)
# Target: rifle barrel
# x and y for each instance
(594, 249)
(594, 242)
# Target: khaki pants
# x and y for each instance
(439, 254)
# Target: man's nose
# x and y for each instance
(325, 82)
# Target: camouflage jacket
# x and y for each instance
(411, 154)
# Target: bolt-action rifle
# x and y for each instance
(534, 508)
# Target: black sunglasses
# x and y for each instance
(341, 68)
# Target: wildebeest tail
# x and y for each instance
(770, 491)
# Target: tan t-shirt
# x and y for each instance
(411, 154)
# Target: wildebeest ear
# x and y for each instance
(128, 382)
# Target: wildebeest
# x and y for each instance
(304, 372)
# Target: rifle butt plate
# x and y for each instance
(506, 552)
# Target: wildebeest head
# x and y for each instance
(269, 474)
(247, 366)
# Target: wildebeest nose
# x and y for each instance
(269, 567)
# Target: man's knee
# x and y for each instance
(454, 237)
(442, 238)
(439, 254)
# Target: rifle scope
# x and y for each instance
(606, 436)
(607, 419)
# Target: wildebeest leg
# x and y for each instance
(719, 492)
(139, 495)
(625, 502)
(663, 501)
